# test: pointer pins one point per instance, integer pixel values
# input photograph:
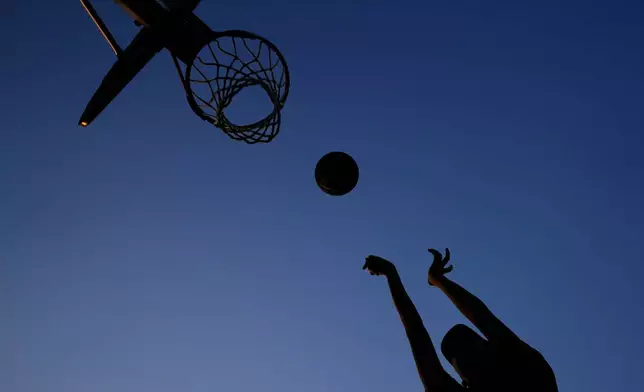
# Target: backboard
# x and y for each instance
(224, 62)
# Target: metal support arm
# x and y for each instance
(102, 27)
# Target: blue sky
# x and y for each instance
(149, 252)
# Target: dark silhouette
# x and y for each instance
(502, 362)
(337, 173)
(217, 65)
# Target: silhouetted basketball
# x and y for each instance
(337, 173)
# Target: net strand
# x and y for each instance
(227, 70)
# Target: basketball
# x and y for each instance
(336, 173)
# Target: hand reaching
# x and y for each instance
(379, 266)
(439, 266)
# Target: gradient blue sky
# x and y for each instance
(151, 253)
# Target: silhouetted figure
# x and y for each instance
(502, 362)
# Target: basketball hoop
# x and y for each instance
(232, 61)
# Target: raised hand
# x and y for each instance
(379, 266)
(439, 266)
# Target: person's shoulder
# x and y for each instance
(518, 347)
(540, 366)
(526, 357)
(534, 354)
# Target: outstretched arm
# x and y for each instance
(468, 304)
(430, 370)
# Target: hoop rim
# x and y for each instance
(277, 100)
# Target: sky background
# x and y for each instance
(149, 252)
